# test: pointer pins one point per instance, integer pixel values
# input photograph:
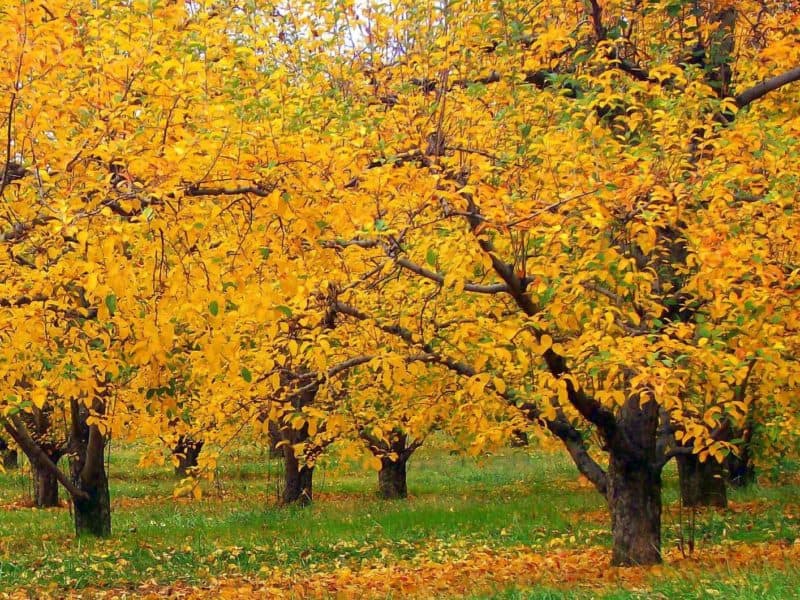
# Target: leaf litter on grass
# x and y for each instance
(468, 571)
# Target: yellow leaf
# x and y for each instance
(39, 397)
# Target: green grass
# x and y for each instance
(506, 499)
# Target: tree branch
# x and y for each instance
(23, 439)
(765, 87)
(256, 190)
(496, 288)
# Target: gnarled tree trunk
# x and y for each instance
(634, 486)
(701, 483)
(394, 455)
(187, 451)
(298, 475)
(634, 497)
(92, 512)
(298, 480)
(392, 478)
(45, 484)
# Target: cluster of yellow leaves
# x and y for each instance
(195, 171)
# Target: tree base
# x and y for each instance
(701, 483)
(392, 479)
(634, 497)
(45, 486)
(93, 514)
(298, 480)
(187, 451)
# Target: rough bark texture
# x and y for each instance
(392, 479)
(634, 486)
(45, 485)
(701, 483)
(298, 480)
(187, 451)
(92, 512)
(634, 497)
(393, 453)
(298, 476)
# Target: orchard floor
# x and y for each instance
(513, 524)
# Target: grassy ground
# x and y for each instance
(508, 503)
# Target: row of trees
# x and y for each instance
(319, 219)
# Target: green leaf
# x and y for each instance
(247, 375)
(213, 308)
(111, 303)
(431, 257)
(285, 310)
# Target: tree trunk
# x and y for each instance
(187, 451)
(634, 497)
(701, 483)
(634, 485)
(45, 484)
(298, 480)
(93, 513)
(10, 460)
(741, 471)
(392, 478)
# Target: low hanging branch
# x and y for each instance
(559, 426)
(19, 433)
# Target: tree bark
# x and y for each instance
(392, 478)
(187, 451)
(93, 514)
(634, 485)
(298, 479)
(45, 484)
(701, 483)
(93, 508)
(634, 497)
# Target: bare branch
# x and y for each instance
(256, 190)
(496, 288)
(765, 87)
